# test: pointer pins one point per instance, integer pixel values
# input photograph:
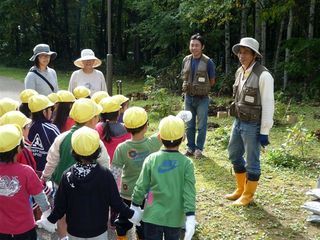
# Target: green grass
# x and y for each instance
(275, 212)
(129, 84)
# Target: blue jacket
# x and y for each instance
(41, 135)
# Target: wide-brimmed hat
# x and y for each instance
(42, 49)
(249, 43)
(87, 54)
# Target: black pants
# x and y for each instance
(29, 235)
(123, 225)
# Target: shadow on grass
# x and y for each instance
(216, 179)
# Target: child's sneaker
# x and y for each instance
(198, 154)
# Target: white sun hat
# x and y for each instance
(249, 43)
(87, 54)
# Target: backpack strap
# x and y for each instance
(46, 80)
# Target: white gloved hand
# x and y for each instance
(137, 216)
(190, 227)
(45, 224)
(185, 115)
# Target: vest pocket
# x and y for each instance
(248, 113)
(250, 96)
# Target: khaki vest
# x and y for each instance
(200, 85)
(247, 103)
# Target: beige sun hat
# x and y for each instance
(248, 42)
(87, 54)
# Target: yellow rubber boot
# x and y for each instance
(247, 196)
(122, 238)
(241, 180)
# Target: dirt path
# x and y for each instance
(10, 87)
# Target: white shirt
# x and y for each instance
(266, 88)
(94, 81)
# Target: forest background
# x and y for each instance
(151, 37)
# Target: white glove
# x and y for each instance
(185, 115)
(190, 227)
(44, 223)
(137, 216)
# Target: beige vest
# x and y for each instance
(199, 85)
(247, 102)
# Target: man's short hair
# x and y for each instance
(198, 37)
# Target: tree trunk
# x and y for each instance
(257, 25)
(244, 17)
(66, 29)
(287, 55)
(277, 53)
(119, 31)
(263, 42)
(78, 31)
(227, 46)
(311, 18)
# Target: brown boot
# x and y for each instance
(241, 180)
(247, 196)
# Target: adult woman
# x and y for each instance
(87, 76)
(40, 77)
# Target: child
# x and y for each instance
(7, 105)
(25, 155)
(85, 112)
(124, 102)
(42, 132)
(61, 118)
(110, 130)
(24, 97)
(18, 183)
(81, 92)
(168, 178)
(128, 159)
(87, 191)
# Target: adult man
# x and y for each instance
(253, 109)
(198, 74)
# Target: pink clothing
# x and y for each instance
(17, 183)
(115, 141)
(68, 125)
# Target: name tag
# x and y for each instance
(201, 79)
(249, 99)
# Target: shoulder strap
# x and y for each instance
(46, 80)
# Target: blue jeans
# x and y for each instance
(156, 232)
(245, 140)
(198, 106)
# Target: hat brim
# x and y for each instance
(79, 64)
(236, 49)
(52, 55)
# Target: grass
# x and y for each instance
(275, 212)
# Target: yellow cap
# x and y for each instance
(171, 128)
(135, 117)
(65, 96)
(81, 92)
(53, 97)
(120, 98)
(15, 117)
(98, 96)
(109, 104)
(85, 141)
(10, 137)
(84, 109)
(39, 102)
(7, 105)
(26, 94)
